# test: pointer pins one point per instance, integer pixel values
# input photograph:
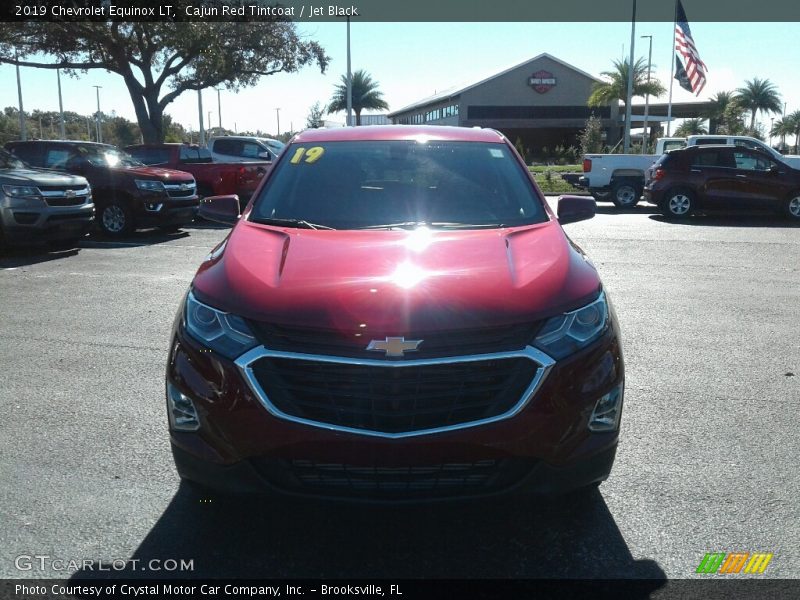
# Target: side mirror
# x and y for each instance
(220, 209)
(575, 208)
(265, 155)
(774, 170)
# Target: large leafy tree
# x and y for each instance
(161, 60)
(691, 127)
(759, 95)
(365, 95)
(616, 86)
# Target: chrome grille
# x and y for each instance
(67, 195)
(180, 190)
(394, 398)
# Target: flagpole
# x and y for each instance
(626, 143)
(672, 69)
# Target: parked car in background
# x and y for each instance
(723, 178)
(213, 178)
(127, 194)
(398, 315)
(41, 205)
(239, 148)
(621, 177)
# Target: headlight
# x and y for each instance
(149, 185)
(20, 191)
(222, 332)
(568, 333)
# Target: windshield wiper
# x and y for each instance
(467, 225)
(300, 223)
(401, 225)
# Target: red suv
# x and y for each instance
(722, 178)
(397, 315)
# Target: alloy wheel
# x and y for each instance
(794, 207)
(626, 195)
(113, 219)
(679, 204)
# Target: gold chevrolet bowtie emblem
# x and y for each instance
(394, 346)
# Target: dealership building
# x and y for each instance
(542, 101)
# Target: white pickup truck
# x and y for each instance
(621, 177)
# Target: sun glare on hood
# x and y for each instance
(408, 275)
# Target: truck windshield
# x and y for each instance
(106, 156)
(9, 161)
(374, 184)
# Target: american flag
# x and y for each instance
(694, 68)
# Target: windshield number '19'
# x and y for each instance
(310, 155)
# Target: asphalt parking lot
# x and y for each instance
(707, 460)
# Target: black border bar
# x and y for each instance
(534, 11)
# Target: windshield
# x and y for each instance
(372, 184)
(274, 145)
(9, 161)
(106, 156)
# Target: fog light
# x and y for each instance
(153, 207)
(607, 411)
(182, 414)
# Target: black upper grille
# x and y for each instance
(434, 344)
(456, 478)
(394, 399)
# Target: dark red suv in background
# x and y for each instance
(397, 315)
(722, 178)
(127, 194)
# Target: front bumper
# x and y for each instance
(39, 222)
(159, 210)
(546, 448)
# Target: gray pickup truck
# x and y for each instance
(39, 205)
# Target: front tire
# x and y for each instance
(792, 207)
(115, 219)
(625, 194)
(678, 203)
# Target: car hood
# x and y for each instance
(389, 282)
(39, 177)
(155, 173)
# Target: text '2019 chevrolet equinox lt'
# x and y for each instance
(397, 315)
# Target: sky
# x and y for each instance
(414, 60)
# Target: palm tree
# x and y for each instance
(365, 95)
(759, 95)
(691, 127)
(788, 125)
(716, 112)
(617, 86)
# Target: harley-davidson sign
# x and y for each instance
(542, 81)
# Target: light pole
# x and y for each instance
(278, 115)
(202, 133)
(783, 136)
(771, 125)
(219, 111)
(97, 119)
(209, 123)
(626, 144)
(645, 137)
(23, 133)
(62, 126)
(349, 79)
